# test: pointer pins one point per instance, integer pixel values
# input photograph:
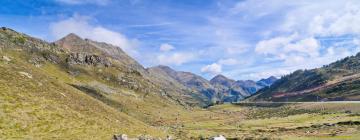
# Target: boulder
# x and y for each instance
(120, 137)
(51, 58)
(25, 74)
(220, 137)
(37, 60)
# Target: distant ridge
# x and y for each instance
(337, 81)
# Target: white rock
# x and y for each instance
(6, 58)
(123, 137)
(25, 74)
(120, 137)
(220, 137)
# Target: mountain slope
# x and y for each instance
(49, 90)
(267, 82)
(186, 82)
(249, 86)
(228, 88)
(38, 99)
(336, 81)
(130, 73)
(74, 43)
(166, 77)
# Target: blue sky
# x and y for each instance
(246, 39)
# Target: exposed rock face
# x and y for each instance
(51, 57)
(76, 44)
(88, 59)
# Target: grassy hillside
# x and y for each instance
(37, 103)
(44, 97)
(336, 81)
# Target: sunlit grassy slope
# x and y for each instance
(41, 98)
(40, 103)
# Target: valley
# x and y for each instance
(77, 88)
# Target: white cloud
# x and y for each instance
(229, 61)
(336, 22)
(268, 73)
(175, 58)
(166, 47)
(307, 22)
(77, 2)
(309, 46)
(324, 18)
(273, 45)
(80, 25)
(282, 47)
(212, 69)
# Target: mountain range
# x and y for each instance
(193, 89)
(218, 89)
(73, 52)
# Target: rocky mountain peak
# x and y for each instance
(72, 36)
(272, 78)
(267, 82)
(74, 43)
(165, 68)
(222, 80)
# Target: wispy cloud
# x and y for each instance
(177, 58)
(150, 25)
(79, 2)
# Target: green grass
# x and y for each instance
(47, 107)
(234, 121)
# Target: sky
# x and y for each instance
(241, 39)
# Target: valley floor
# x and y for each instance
(316, 120)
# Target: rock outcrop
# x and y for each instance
(88, 59)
